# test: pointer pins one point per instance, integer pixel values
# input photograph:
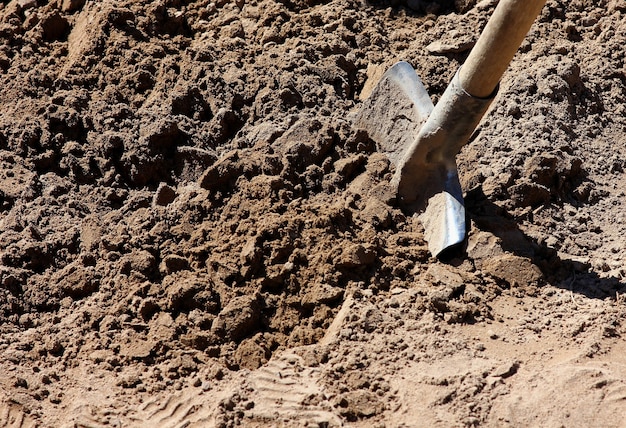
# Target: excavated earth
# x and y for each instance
(192, 233)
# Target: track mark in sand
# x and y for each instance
(286, 392)
(187, 409)
(12, 415)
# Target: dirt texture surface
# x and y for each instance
(192, 233)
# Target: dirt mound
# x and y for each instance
(192, 232)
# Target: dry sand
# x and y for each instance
(193, 234)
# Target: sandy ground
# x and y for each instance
(192, 233)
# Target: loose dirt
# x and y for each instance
(193, 234)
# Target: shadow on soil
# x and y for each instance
(563, 273)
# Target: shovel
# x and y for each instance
(422, 140)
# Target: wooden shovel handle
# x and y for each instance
(497, 45)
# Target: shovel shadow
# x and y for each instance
(568, 274)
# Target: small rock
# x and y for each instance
(129, 381)
(452, 44)
(529, 194)
(72, 5)
(138, 349)
(186, 292)
(26, 320)
(356, 255)
(359, 404)
(173, 263)
(251, 252)
(97, 356)
(347, 166)
(371, 319)
(240, 318)
(54, 347)
(191, 162)
(376, 213)
(142, 261)
(321, 293)
(199, 340)
(251, 355)
(164, 195)
(445, 275)
(148, 308)
(54, 27)
(486, 4)
(506, 370)
(513, 270)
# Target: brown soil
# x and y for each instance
(193, 234)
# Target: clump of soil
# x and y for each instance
(193, 232)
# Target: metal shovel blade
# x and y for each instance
(395, 110)
(422, 141)
(443, 215)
